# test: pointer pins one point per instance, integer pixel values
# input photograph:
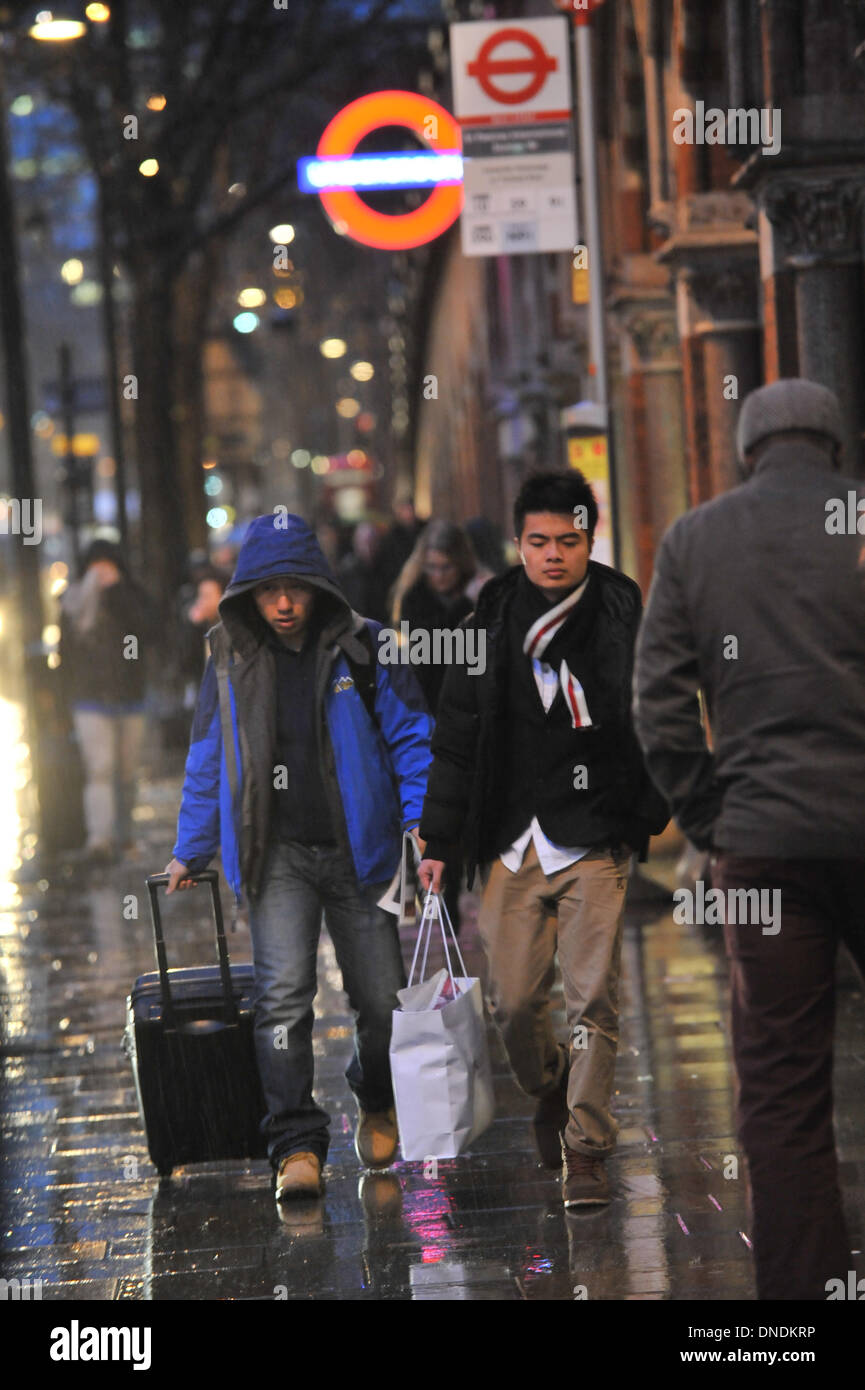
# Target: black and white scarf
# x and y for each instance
(539, 636)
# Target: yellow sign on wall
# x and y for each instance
(589, 454)
(580, 284)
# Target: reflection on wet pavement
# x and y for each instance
(84, 1211)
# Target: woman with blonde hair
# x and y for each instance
(430, 591)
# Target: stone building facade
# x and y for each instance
(760, 241)
(728, 261)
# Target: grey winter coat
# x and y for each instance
(758, 605)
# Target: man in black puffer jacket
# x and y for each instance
(538, 779)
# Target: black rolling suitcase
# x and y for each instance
(189, 1040)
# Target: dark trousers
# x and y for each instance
(299, 883)
(783, 1013)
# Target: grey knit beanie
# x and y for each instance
(790, 404)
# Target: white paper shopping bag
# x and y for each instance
(438, 1054)
(400, 896)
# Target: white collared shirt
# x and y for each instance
(551, 857)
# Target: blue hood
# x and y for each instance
(277, 544)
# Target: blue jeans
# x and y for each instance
(299, 883)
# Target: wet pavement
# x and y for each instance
(85, 1213)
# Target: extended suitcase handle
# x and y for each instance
(154, 882)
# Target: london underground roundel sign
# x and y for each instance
(536, 66)
(435, 127)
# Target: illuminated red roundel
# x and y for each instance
(432, 124)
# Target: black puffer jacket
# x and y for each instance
(463, 811)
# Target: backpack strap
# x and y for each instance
(221, 668)
(227, 731)
(221, 655)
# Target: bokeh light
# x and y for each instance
(72, 271)
(251, 298)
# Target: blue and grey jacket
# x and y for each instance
(375, 770)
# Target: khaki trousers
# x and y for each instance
(525, 920)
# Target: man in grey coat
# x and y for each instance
(757, 603)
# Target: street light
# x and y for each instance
(52, 30)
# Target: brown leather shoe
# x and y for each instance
(376, 1137)
(550, 1119)
(298, 1175)
(584, 1181)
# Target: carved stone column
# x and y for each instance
(649, 425)
(811, 254)
(714, 260)
(719, 311)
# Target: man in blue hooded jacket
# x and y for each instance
(308, 760)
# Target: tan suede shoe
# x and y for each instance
(376, 1137)
(299, 1175)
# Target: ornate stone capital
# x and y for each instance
(654, 336)
(816, 222)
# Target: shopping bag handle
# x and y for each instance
(433, 908)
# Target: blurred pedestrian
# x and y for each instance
(309, 757)
(488, 546)
(759, 606)
(537, 777)
(430, 592)
(360, 576)
(200, 615)
(398, 542)
(223, 557)
(107, 625)
(329, 537)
